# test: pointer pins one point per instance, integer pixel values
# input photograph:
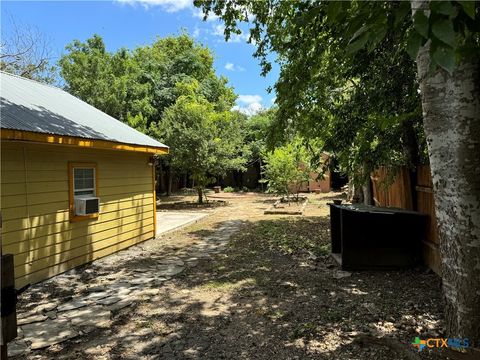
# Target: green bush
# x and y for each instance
(228, 189)
(286, 168)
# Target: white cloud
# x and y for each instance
(196, 32)
(232, 67)
(249, 104)
(167, 5)
(236, 38)
(272, 100)
(251, 109)
(249, 99)
(198, 13)
(219, 30)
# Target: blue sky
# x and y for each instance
(130, 23)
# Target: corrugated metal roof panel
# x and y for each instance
(31, 106)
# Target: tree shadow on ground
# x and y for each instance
(274, 294)
(335, 195)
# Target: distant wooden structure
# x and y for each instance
(321, 180)
(317, 183)
(411, 193)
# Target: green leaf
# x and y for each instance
(305, 18)
(442, 7)
(358, 44)
(376, 35)
(443, 30)
(444, 56)
(420, 23)
(401, 12)
(414, 42)
(334, 8)
(359, 32)
(469, 8)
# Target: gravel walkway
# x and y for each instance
(52, 322)
(236, 285)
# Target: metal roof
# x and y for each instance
(31, 106)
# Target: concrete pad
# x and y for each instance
(171, 220)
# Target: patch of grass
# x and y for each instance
(325, 249)
(304, 330)
(220, 268)
(226, 286)
(277, 314)
(334, 315)
(290, 236)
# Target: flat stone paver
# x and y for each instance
(31, 319)
(171, 220)
(88, 316)
(50, 324)
(72, 305)
(49, 332)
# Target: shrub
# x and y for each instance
(286, 168)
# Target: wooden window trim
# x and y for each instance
(154, 191)
(71, 197)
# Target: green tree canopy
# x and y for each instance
(136, 86)
(286, 168)
(204, 142)
(364, 105)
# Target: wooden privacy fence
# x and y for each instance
(411, 191)
(398, 194)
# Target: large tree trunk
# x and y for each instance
(200, 194)
(169, 182)
(355, 193)
(451, 114)
(161, 177)
(367, 193)
(410, 142)
(367, 188)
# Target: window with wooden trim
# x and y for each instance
(83, 185)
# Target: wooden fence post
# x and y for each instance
(8, 299)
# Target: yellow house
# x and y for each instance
(76, 184)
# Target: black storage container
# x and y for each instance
(368, 237)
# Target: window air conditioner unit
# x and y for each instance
(87, 205)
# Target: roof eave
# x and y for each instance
(21, 135)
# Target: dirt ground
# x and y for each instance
(273, 293)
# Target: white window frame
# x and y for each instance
(94, 189)
(71, 186)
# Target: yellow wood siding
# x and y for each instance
(35, 207)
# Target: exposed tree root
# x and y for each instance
(397, 346)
